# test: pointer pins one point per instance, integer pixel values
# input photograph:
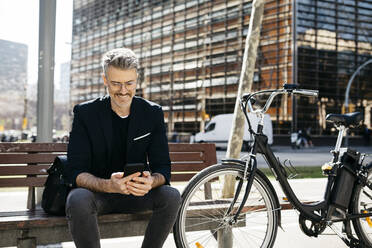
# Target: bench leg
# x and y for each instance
(207, 191)
(26, 243)
(224, 237)
(31, 198)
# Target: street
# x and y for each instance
(315, 156)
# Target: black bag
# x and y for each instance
(56, 189)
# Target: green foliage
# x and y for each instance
(303, 172)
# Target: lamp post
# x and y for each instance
(346, 104)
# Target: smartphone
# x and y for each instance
(133, 168)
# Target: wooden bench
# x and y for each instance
(25, 164)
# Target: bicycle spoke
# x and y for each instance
(369, 196)
(250, 234)
(204, 215)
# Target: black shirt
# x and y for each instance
(119, 143)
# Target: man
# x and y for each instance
(108, 133)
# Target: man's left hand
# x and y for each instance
(140, 186)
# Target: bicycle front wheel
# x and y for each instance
(203, 220)
(363, 204)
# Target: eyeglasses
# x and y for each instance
(117, 85)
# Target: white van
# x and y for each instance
(219, 127)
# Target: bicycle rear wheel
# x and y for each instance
(203, 222)
(363, 204)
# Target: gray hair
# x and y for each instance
(122, 58)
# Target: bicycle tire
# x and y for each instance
(206, 216)
(361, 203)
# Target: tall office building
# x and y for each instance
(13, 65)
(13, 78)
(191, 55)
(62, 91)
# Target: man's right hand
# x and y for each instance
(118, 182)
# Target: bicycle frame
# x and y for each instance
(317, 211)
(260, 143)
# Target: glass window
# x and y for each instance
(179, 7)
(178, 46)
(210, 127)
(191, 3)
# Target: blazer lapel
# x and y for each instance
(106, 123)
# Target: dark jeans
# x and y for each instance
(83, 206)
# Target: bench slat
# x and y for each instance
(189, 156)
(178, 167)
(181, 177)
(186, 147)
(33, 147)
(23, 182)
(24, 170)
(184, 157)
(27, 158)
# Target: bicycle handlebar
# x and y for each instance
(246, 97)
(306, 92)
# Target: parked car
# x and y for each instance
(219, 127)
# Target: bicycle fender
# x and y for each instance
(264, 177)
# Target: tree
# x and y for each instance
(245, 85)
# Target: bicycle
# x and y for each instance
(249, 215)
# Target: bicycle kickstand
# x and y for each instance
(345, 236)
(353, 242)
(356, 243)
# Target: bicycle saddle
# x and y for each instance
(349, 119)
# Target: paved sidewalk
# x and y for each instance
(290, 237)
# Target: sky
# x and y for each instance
(19, 22)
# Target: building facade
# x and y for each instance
(13, 79)
(62, 90)
(191, 55)
(334, 38)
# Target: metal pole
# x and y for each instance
(47, 20)
(346, 104)
(45, 89)
(350, 82)
(294, 64)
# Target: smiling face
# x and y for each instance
(121, 85)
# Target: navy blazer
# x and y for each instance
(89, 148)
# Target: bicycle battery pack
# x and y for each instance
(345, 179)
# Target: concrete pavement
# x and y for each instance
(290, 237)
